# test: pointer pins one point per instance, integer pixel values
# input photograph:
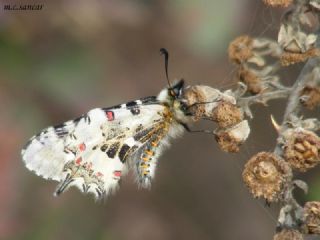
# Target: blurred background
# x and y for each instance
(72, 56)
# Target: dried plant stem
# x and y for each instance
(294, 105)
(246, 102)
(291, 214)
(265, 97)
(311, 68)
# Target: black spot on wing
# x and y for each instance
(131, 104)
(26, 145)
(133, 148)
(121, 136)
(87, 119)
(123, 152)
(113, 149)
(104, 147)
(65, 128)
(149, 100)
(110, 108)
(144, 101)
(60, 130)
(77, 120)
(139, 128)
(64, 184)
(98, 192)
(59, 126)
(139, 135)
(135, 110)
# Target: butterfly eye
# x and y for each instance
(172, 93)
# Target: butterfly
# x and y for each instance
(94, 151)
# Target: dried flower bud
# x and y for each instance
(294, 40)
(201, 100)
(288, 58)
(240, 49)
(192, 96)
(266, 175)
(278, 3)
(301, 149)
(310, 97)
(312, 217)
(288, 234)
(231, 139)
(253, 82)
(315, 4)
(226, 114)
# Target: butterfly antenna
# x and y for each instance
(165, 52)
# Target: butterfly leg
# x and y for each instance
(189, 130)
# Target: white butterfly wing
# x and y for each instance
(48, 152)
(90, 151)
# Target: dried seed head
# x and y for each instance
(288, 58)
(231, 139)
(310, 97)
(294, 40)
(266, 175)
(227, 143)
(278, 3)
(192, 96)
(288, 234)
(312, 217)
(240, 49)
(226, 114)
(201, 100)
(253, 82)
(301, 149)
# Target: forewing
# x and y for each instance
(90, 152)
(48, 152)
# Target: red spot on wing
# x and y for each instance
(99, 174)
(82, 147)
(117, 173)
(78, 161)
(110, 115)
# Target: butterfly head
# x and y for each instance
(175, 91)
(172, 97)
(172, 93)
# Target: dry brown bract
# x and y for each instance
(311, 96)
(288, 58)
(232, 138)
(301, 149)
(194, 96)
(240, 49)
(226, 114)
(278, 3)
(293, 40)
(201, 100)
(288, 234)
(312, 217)
(227, 143)
(266, 175)
(253, 82)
